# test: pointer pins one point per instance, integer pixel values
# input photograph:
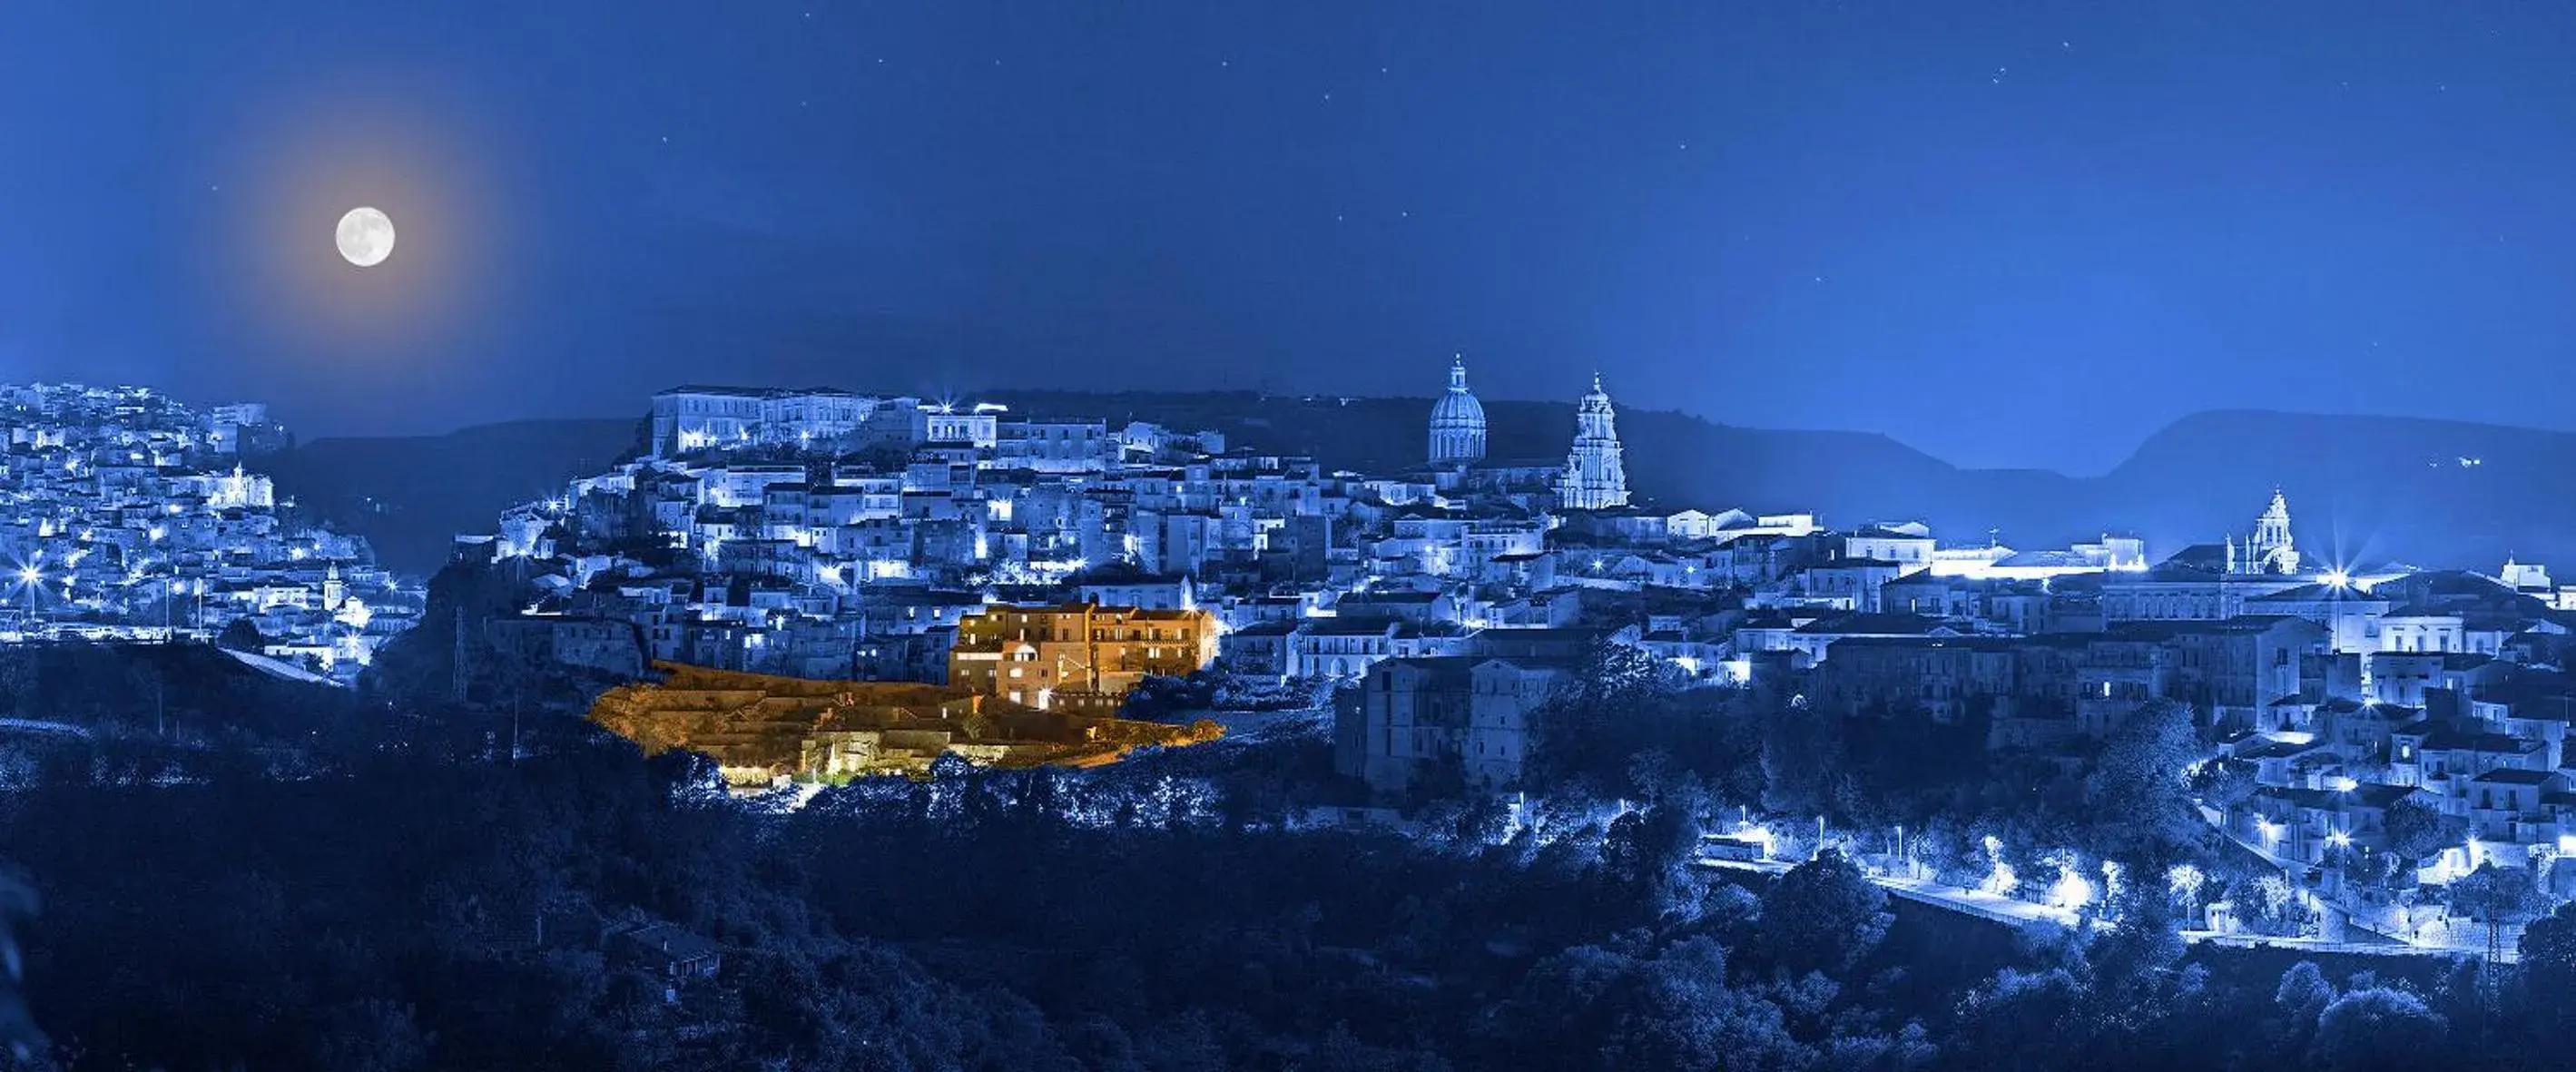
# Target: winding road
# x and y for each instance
(2013, 911)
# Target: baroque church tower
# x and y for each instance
(1594, 478)
(1457, 422)
(2269, 549)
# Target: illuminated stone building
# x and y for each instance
(1594, 479)
(2212, 582)
(761, 728)
(1464, 713)
(1079, 656)
(700, 417)
(2269, 548)
(1457, 422)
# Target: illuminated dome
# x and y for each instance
(1457, 421)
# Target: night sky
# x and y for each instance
(2023, 234)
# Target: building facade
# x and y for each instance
(1077, 656)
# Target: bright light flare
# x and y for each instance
(2072, 890)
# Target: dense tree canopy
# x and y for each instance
(285, 880)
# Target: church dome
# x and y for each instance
(1458, 409)
(1457, 422)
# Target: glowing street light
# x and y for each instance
(31, 577)
(1759, 835)
(2339, 839)
(2338, 579)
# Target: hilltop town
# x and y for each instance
(126, 515)
(817, 585)
(1058, 562)
(862, 606)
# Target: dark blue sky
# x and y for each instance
(2005, 233)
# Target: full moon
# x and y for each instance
(366, 237)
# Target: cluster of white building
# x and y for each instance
(2342, 692)
(830, 534)
(126, 515)
(827, 533)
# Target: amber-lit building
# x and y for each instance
(762, 728)
(1079, 657)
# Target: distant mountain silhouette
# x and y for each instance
(411, 495)
(2362, 489)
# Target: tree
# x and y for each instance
(2549, 966)
(2224, 784)
(2378, 1027)
(1680, 1014)
(1801, 749)
(2496, 896)
(2022, 1020)
(2302, 996)
(242, 635)
(2134, 963)
(2134, 796)
(1590, 725)
(1824, 915)
(18, 679)
(2415, 830)
(1650, 849)
(372, 1036)
(19, 1039)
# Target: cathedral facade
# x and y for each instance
(1594, 477)
(1457, 422)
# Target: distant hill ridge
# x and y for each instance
(2362, 489)
(411, 495)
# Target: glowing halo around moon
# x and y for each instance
(307, 161)
(365, 236)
